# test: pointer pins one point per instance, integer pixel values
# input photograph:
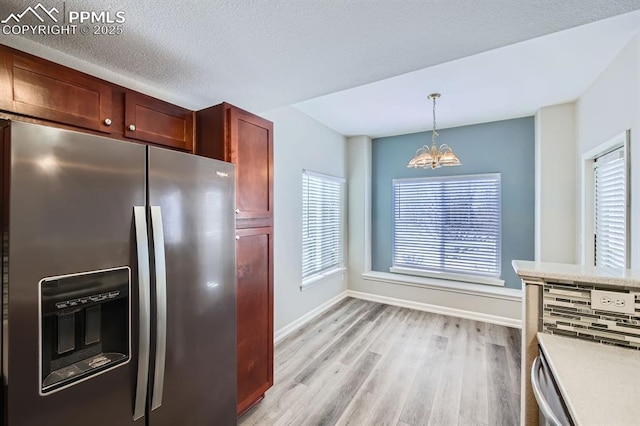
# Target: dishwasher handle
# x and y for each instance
(546, 410)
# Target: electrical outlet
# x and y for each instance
(613, 301)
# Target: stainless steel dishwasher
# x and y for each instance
(553, 411)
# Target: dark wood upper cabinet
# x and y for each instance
(251, 149)
(45, 91)
(38, 88)
(231, 134)
(152, 120)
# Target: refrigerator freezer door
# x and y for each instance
(71, 211)
(196, 198)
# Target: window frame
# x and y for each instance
(587, 188)
(339, 269)
(627, 194)
(453, 275)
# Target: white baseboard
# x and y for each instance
(443, 310)
(436, 309)
(293, 326)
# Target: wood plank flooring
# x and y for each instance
(362, 363)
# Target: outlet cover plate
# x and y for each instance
(613, 301)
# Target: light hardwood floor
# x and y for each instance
(363, 363)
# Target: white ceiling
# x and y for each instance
(509, 82)
(266, 54)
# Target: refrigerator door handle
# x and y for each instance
(144, 289)
(161, 304)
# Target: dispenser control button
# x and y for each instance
(62, 305)
(66, 333)
(113, 294)
(92, 325)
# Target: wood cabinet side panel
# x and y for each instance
(211, 133)
(6, 80)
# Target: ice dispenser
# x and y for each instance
(85, 326)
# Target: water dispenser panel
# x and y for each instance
(85, 326)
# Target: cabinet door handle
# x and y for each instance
(237, 237)
(132, 127)
(237, 211)
(107, 122)
(546, 410)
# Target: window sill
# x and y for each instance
(494, 292)
(450, 277)
(317, 279)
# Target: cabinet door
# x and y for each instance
(251, 148)
(45, 90)
(152, 120)
(254, 251)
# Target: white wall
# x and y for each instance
(299, 143)
(610, 106)
(359, 212)
(556, 187)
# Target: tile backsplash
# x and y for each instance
(566, 311)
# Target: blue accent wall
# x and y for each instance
(505, 147)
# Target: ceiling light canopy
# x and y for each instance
(434, 157)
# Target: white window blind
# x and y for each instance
(322, 217)
(611, 210)
(448, 224)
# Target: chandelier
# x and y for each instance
(434, 157)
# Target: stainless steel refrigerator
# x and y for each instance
(118, 280)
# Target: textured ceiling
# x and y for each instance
(264, 54)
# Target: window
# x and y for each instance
(447, 225)
(611, 204)
(322, 223)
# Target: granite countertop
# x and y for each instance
(627, 278)
(599, 383)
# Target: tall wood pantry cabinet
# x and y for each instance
(231, 134)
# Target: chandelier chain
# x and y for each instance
(434, 134)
